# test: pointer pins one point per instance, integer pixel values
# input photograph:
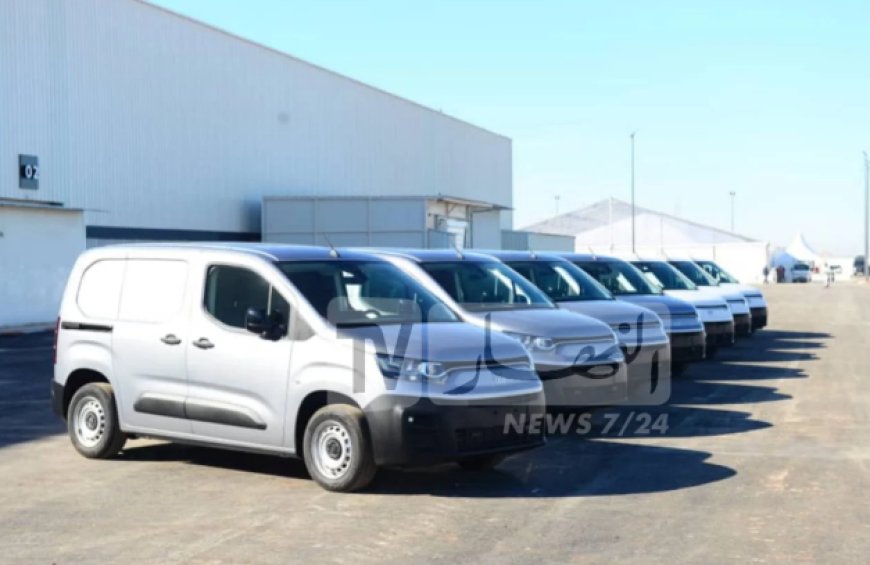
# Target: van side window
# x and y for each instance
(99, 292)
(153, 290)
(230, 291)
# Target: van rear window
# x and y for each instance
(99, 292)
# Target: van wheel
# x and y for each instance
(481, 462)
(337, 449)
(92, 422)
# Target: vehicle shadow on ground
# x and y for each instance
(563, 468)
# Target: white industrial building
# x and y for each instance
(606, 227)
(121, 121)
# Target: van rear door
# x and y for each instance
(149, 344)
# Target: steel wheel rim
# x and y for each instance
(331, 449)
(90, 421)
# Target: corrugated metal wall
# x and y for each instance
(147, 119)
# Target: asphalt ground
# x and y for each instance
(761, 455)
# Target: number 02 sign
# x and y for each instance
(28, 171)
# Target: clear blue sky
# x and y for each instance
(767, 98)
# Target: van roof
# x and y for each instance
(590, 257)
(516, 255)
(269, 251)
(436, 255)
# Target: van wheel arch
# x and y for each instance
(311, 404)
(76, 380)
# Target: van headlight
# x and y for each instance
(532, 342)
(410, 369)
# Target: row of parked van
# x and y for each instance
(354, 359)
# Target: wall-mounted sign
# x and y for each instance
(28, 171)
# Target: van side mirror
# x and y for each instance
(256, 321)
(272, 327)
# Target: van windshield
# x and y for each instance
(619, 277)
(717, 272)
(486, 285)
(664, 275)
(694, 273)
(561, 281)
(351, 293)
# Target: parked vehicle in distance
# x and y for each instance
(577, 357)
(640, 331)
(757, 303)
(858, 265)
(714, 311)
(340, 358)
(737, 303)
(682, 320)
(801, 273)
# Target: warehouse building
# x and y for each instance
(121, 121)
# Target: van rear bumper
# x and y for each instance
(57, 399)
(420, 431)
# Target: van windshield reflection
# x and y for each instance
(351, 293)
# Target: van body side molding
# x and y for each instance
(160, 406)
(226, 415)
(85, 327)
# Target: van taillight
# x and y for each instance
(54, 345)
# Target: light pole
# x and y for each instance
(633, 241)
(557, 204)
(732, 193)
(866, 213)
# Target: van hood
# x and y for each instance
(725, 293)
(744, 289)
(697, 298)
(553, 323)
(661, 304)
(444, 342)
(611, 312)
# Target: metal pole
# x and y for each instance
(557, 204)
(732, 193)
(633, 241)
(866, 212)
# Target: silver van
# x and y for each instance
(577, 357)
(682, 320)
(714, 311)
(338, 357)
(757, 303)
(737, 302)
(640, 331)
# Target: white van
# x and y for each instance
(337, 357)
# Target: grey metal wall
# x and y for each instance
(524, 240)
(148, 119)
(378, 222)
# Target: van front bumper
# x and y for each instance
(422, 431)
(759, 317)
(742, 324)
(719, 334)
(688, 347)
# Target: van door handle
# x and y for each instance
(170, 339)
(203, 343)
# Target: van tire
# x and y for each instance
(337, 448)
(92, 422)
(481, 462)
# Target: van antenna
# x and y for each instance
(532, 253)
(592, 252)
(333, 252)
(458, 251)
